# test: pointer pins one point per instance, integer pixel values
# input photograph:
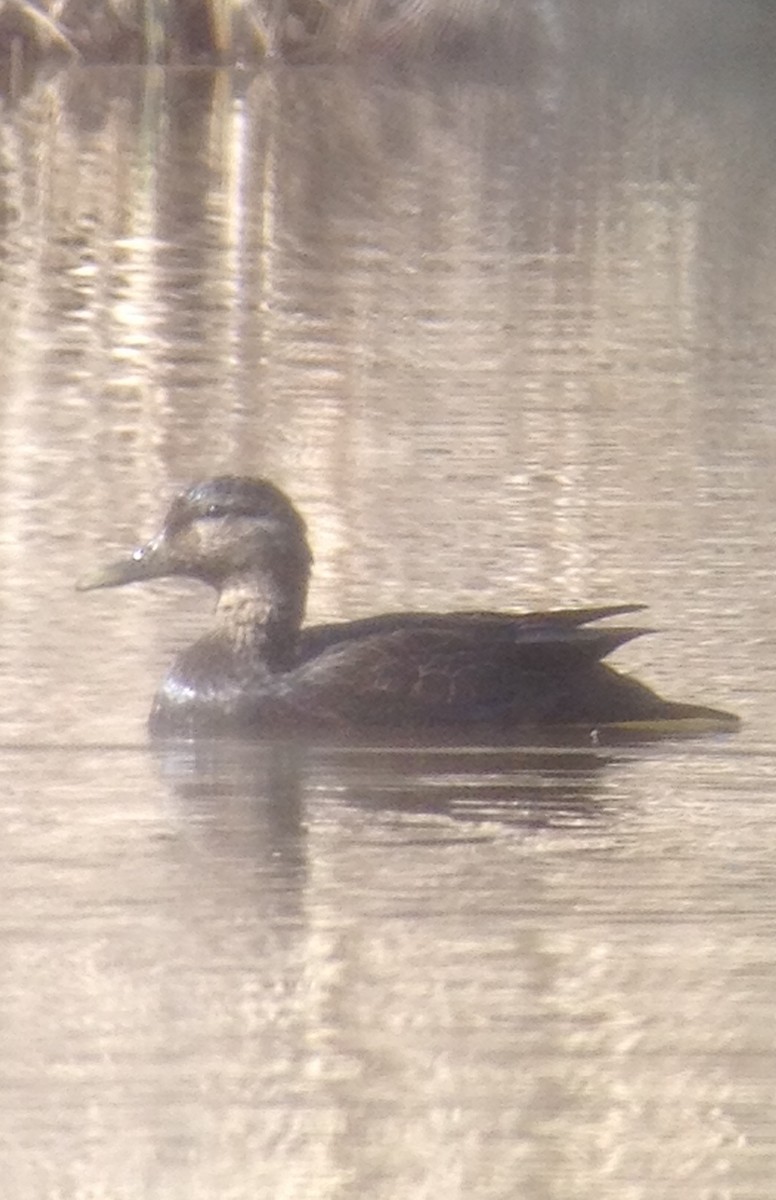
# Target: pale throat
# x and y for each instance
(252, 611)
(245, 607)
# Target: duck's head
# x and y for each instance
(228, 532)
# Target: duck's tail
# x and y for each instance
(621, 703)
(672, 718)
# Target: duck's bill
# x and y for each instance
(146, 562)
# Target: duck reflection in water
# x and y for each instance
(452, 674)
(263, 795)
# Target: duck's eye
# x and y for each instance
(217, 510)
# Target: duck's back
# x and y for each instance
(461, 669)
(397, 670)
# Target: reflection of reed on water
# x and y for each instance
(228, 31)
(249, 31)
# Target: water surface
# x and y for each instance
(508, 341)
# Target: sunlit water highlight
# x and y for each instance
(507, 344)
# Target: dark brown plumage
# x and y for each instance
(259, 670)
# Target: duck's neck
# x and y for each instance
(262, 618)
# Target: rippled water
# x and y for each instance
(508, 342)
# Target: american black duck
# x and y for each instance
(259, 669)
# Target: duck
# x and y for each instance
(259, 669)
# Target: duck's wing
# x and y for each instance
(460, 670)
(565, 625)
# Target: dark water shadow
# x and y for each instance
(264, 796)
